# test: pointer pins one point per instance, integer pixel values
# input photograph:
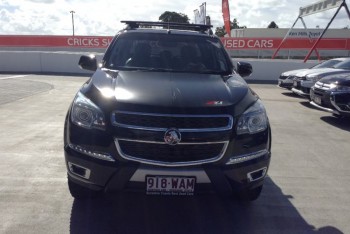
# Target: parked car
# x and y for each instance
(332, 94)
(286, 78)
(303, 81)
(166, 113)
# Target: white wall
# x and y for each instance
(18, 61)
(269, 70)
(67, 62)
(42, 62)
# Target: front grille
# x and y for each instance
(161, 122)
(326, 101)
(170, 155)
(297, 84)
(283, 77)
(157, 152)
(324, 97)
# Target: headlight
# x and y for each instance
(341, 88)
(253, 120)
(86, 114)
(313, 78)
(283, 75)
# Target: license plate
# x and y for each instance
(317, 99)
(170, 185)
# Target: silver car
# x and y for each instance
(303, 81)
(286, 78)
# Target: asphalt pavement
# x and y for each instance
(307, 190)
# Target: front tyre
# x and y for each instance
(81, 193)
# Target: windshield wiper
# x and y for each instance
(215, 72)
(160, 69)
(145, 69)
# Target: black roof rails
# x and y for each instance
(170, 25)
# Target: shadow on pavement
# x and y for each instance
(13, 89)
(291, 94)
(342, 123)
(308, 105)
(137, 213)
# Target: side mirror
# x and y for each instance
(88, 62)
(244, 69)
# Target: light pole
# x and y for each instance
(72, 12)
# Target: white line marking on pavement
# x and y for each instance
(10, 77)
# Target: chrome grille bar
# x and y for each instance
(210, 159)
(227, 126)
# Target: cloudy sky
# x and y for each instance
(102, 17)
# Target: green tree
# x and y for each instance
(168, 16)
(220, 31)
(272, 25)
(234, 24)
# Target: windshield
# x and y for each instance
(167, 52)
(343, 65)
(327, 64)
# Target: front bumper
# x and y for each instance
(301, 92)
(337, 103)
(301, 87)
(285, 83)
(94, 160)
(130, 176)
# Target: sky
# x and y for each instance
(102, 17)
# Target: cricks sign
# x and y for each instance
(55, 41)
(298, 40)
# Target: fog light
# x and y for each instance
(79, 170)
(256, 175)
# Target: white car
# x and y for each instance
(286, 78)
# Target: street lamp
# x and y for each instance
(72, 12)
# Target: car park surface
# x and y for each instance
(306, 191)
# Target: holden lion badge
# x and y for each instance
(172, 136)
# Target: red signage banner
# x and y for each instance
(226, 15)
(238, 43)
(231, 43)
(55, 41)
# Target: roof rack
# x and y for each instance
(170, 25)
